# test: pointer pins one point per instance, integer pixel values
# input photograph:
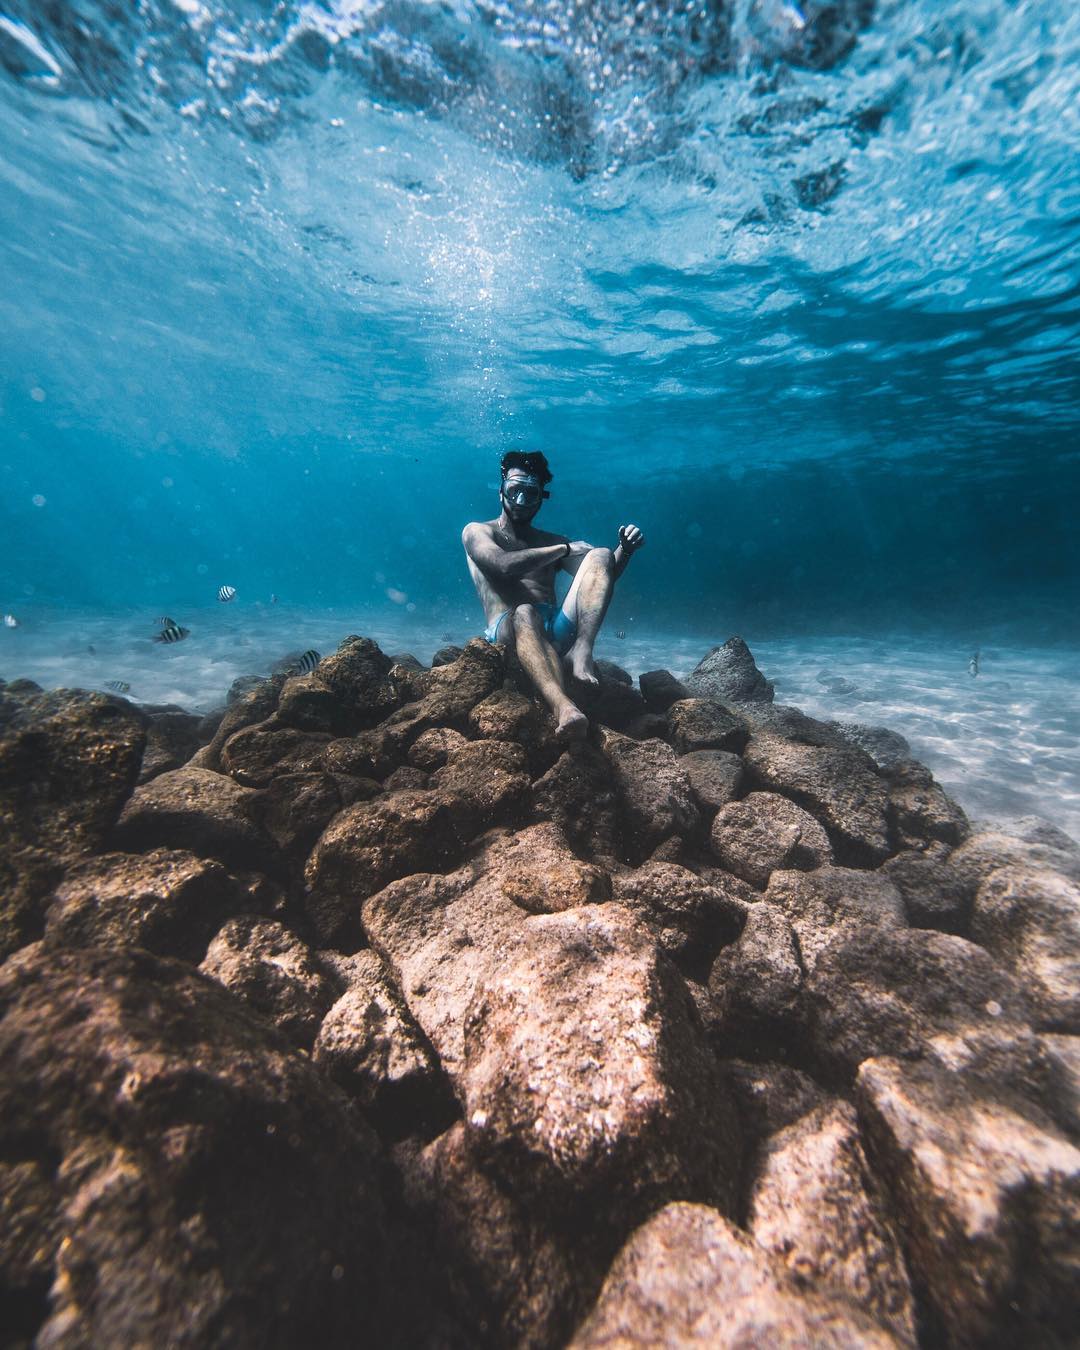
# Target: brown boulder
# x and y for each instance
(660, 689)
(172, 737)
(276, 975)
(451, 692)
(296, 807)
(815, 1206)
(490, 776)
(690, 918)
(715, 777)
(357, 674)
(653, 792)
(840, 788)
(935, 894)
(756, 984)
(539, 873)
(256, 755)
(705, 724)
(185, 1176)
(507, 715)
(835, 904)
(256, 705)
(769, 1097)
(198, 810)
(1030, 921)
(309, 704)
(730, 674)
(167, 900)
(370, 844)
(578, 795)
(764, 833)
(988, 1198)
(433, 748)
(690, 1278)
(1034, 845)
(919, 811)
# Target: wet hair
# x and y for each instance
(529, 461)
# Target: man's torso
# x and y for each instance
(497, 595)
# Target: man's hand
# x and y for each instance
(578, 548)
(631, 538)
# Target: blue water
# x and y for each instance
(796, 288)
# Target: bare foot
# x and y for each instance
(582, 666)
(572, 725)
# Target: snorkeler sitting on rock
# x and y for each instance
(513, 567)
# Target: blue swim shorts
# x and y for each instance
(558, 625)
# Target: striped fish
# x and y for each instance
(226, 593)
(174, 633)
(166, 622)
(118, 686)
(305, 664)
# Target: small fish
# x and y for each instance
(620, 632)
(306, 663)
(226, 593)
(973, 664)
(166, 622)
(118, 686)
(174, 633)
(447, 637)
(273, 599)
(92, 649)
(10, 621)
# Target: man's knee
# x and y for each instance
(603, 558)
(526, 616)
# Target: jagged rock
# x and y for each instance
(688, 1277)
(446, 656)
(886, 748)
(243, 684)
(448, 694)
(198, 810)
(826, 32)
(1030, 921)
(406, 659)
(167, 900)
(373, 754)
(539, 872)
(614, 703)
(1036, 846)
(369, 844)
(254, 706)
(652, 789)
(172, 737)
(439, 936)
(611, 671)
(27, 876)
(756, 984)
(296, 807)
(768, 1098)
(276, 974)
(309, 704)
(715, 777)
(705, 724)
(764, 833)
(815, 1206)
(578, 795)
(371, 1047)
(649, 726)
(256, 755)
(988, 1198)
(521, 1275)
(357, 674)
(890, 991)
(192, 1177)
(919, 811)
(835, 904)
(507, 715)
(68, 762)
(730, 674)
(586, 1071)
(690, 918)
(660, 689)
(934, 892)
(433, 748)
(841, 788)
(1062, 1054)
(406, 778)
(490, 776)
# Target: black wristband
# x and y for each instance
(568, 549)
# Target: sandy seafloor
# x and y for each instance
(1005, 743)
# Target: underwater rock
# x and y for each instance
(406, 659)
(490, 776)
(660, 689)
(1038, 846)
(539, 873)
(841, 788)
(919, 811)
(729, 673)
(182, 1168)
(1030, 921)
(987, 1195)
(406, 778)
(816, 1207)
(254, 706)
(373, 754)
(371, 1047)
(172, 737)
(835, 904)
(577, 793)
(296, 807)
(705, 724)
(586, 1074)
(690, 919)
(768, 1097)
(689, 1277)
(891, 991)
(715, 777)
(307, 703)
(432, 749)
(615, 703)
(198, 810)
(256, 755)
(653, 791)
(756, 985)
(357, 675)
(243, 684)
(934, 892)
(277, 975)
(372, 843)
(764, 833)
(446, 656)
(168, 901)
(507, 715)
(886, 748)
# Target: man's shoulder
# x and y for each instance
(478, 527)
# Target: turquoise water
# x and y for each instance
(794, 288)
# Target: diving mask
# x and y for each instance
(523, 492)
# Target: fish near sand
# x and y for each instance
(973, 664)
(10, 621)
(166, 622)
(118, 686)
(226, 593)
(174, 633)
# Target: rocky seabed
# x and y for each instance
(365, 1013)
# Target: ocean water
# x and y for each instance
(794, 287)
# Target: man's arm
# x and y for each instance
(508, 564)
(630, 540)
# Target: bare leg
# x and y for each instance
(592, 586)
(540, 662)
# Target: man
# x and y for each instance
(513, 566)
